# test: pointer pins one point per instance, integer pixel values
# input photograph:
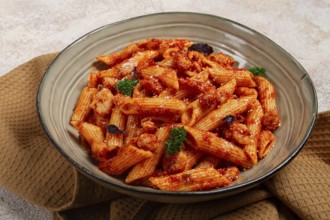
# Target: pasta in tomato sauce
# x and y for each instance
(175, 115)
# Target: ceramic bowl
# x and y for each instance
(67, 75)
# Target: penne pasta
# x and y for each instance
(93, 80)
(114, 58)
(153, 106)
(215, 118)
(127, 66)
(271, 119)
(245, 91)
(222, 59)
(196, 110)
(208, 161)
(148, 167)
(191, 180)
(192, 157)
(167, 63)
(175, 115)
(116, 140)
(166, 76)
(208, 143)
(95, 138)
(183, 93)
(133, 123)
(267, 140)
(127, 157)
(242, 77)
(253, 123)
(83, 108)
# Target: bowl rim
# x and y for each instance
(144, 190)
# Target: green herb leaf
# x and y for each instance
(126, 86)
(258, 71)
(175, 142)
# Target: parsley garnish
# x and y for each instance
(177, 137)
(257, 71)
(125, 86)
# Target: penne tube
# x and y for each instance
(208, 143)
(114, 58)
(215, 118)
(253, 123)
(127, 157)
(93, 80)
(100, 121)
(191, 180)
(226, 91)
(208, 161)
(153, 106)
(245, 91)
(167, 63)
(115, 140)
(242, 77)
(127, 66)
(165, 75)
(271, 119)
(95, 138)
(109, 82)
(183, 93)
(241, 133)
(231, 173)
(148, 166)
(267, 141)
(133, 123)
(193, 156)
(112, 73)
(222, 59)
(196, 110)
(83, 108)
(170, 52)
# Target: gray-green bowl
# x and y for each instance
(67, 75)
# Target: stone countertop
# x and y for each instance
(35, 27)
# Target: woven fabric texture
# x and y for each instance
(32, 168)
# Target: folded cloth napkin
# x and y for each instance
(32, 168)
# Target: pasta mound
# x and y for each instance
(175, 115)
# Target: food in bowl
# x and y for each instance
(174, 115)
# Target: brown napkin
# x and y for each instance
(32, 168)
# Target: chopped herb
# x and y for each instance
(202, 48)
(229, 119)
(114, 129)
(126, 86)
(177, 137)
(258, 71)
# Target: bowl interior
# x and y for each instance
(67, 75)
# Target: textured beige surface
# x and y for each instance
(31, 28)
